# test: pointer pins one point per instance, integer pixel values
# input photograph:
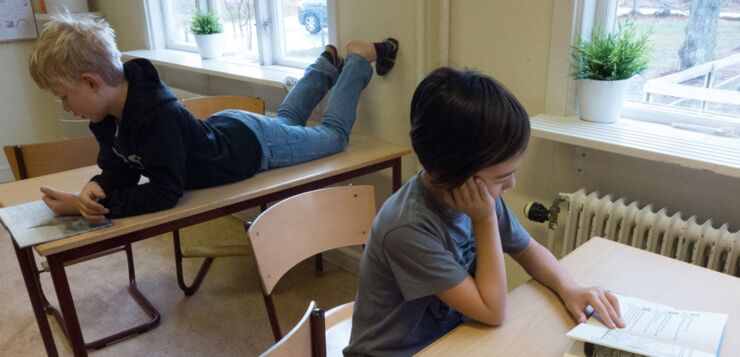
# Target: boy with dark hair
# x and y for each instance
(143, 130)
(435, 252)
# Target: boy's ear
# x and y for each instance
(91, 81)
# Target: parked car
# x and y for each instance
(313, 15)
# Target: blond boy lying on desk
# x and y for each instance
(143, 130)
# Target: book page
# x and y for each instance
(657, 330)
(34, 223)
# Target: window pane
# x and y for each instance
(303, 26)
(701, 73)
(240, 28)
(179, 13)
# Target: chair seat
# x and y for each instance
(338, 328)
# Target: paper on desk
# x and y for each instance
(34, 223)
(657, 330)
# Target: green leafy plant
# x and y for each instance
(613, 56)
(205, 23)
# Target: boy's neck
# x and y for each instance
(437, 191)
(118, 99)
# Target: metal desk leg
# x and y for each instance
(66, 304)
(396, 174)
(33, 286)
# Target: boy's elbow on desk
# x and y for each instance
(493, 316)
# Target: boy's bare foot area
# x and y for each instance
(362, 48)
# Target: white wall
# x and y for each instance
(27, 114)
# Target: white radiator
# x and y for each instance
(647, 228)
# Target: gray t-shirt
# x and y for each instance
(416, 249)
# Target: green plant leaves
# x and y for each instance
(612, 56)
(205, 23)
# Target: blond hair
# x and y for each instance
(70, 46)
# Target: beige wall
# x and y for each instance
(507, 39)
(127, 18)
(27, 113)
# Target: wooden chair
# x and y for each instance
(201, 108)
(316, 334)
(32, 160)
(302, 226)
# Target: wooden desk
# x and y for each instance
(537, 322)
(363, 155)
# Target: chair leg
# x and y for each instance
(318, 333)
(319, 263)
(274, 324)
(141, 300)
(188, 290)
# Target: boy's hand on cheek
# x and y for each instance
(473, 199)
(59, 201)
(88, 202)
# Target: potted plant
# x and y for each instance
(603, 68)
(207, 28)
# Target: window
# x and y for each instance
(694, 73)
(280, 32)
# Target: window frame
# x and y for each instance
(269, 40)
(576, 19)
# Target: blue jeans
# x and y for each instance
(285, 139)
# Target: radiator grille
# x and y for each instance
(651, 229)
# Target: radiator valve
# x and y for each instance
(537, 212)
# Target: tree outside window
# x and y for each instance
(696, 58)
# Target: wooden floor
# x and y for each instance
(226, 317)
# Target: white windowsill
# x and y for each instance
(266, 75)
(645, 140)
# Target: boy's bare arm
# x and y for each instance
(59, 201)
(542, 266)
(482, 298)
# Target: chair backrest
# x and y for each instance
(202, 107)
(31, 160)
(307, 224)
(306, 339)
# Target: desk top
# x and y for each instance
(363, 151)
(537, 322)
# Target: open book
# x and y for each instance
(34, 223)
(652, 330)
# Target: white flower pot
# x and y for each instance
(601, 101)
(210, 46)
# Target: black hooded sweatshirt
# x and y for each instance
(159, 139)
